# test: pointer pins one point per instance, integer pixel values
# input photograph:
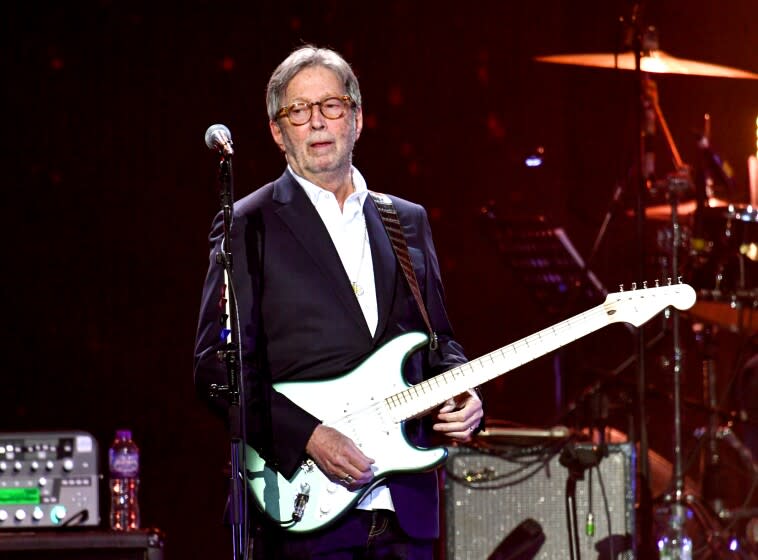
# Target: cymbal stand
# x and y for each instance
(675, 331)
(674, 533)
(675, 184)
(648, 112)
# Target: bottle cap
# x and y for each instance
(123, 434)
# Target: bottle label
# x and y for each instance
(124, 464)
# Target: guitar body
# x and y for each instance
(355, 405)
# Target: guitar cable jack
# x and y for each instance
(300, 501)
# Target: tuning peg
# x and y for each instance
(634, 285)
(644, 284)
(657, 283)
(621, 287)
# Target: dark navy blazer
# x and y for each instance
(300, 320)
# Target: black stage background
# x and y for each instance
(109, 192)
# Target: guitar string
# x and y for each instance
(406, 396)
(451, 374)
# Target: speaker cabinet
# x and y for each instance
(72, 544)
(485, 502)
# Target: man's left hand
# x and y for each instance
(460, 416)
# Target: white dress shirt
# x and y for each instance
(347, 228)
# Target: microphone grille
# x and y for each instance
(211, 132)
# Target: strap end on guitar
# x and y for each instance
(433, 341)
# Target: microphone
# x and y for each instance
(219, 139)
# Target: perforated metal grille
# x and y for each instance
(478, 519)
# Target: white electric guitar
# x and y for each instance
(371, 403)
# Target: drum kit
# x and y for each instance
(706, 232)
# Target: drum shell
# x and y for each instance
(723, 248)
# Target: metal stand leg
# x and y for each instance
(675, 544)
(711, 488)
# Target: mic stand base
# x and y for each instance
(577, 460)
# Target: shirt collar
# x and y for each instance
(314, 192)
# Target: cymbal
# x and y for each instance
(662, 212)
(657, 62)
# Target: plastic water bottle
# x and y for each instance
(123, 463)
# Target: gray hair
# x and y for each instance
(304, 57)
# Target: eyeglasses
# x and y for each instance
(300, 112)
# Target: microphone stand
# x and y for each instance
(231, 356)
(577, 460)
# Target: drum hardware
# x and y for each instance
(711, 459)
(677, 365)
(685, 209)
(719, 520)
(674, 189)
(720, 251)
(724, 269)
(732, 274)
(645, 58)
(676, 186)
(724, 533)
(711, 536)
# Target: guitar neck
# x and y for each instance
(425, 396)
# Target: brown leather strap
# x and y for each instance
(395, 231)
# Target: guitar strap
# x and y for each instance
(395, 232)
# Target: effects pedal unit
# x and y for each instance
(48, 479)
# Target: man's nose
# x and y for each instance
(318, 121)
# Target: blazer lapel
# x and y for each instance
(385, 263)
(303, 220)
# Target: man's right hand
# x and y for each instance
(338, 457)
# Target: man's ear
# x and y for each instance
(358, 122)
(276, 133)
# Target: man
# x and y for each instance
(319, 289)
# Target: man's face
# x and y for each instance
(321, 149)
